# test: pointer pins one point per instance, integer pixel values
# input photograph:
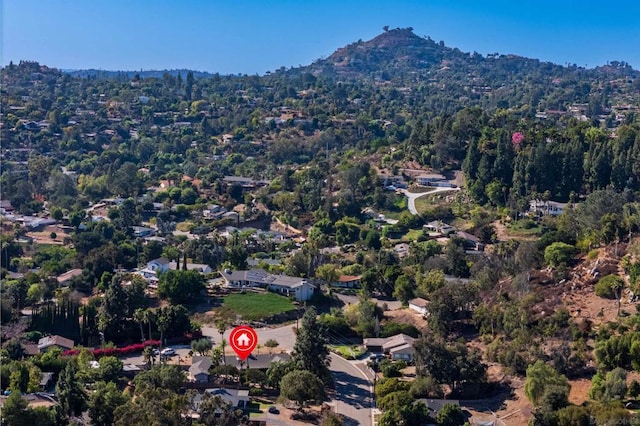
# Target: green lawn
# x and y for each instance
(348, 352)
(257, 306)
(412, 235)
(430, 201)
(525, 228)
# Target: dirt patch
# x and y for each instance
(44, 236)
(407, 316)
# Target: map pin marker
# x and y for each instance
(243, 340)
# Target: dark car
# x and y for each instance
(274, 410)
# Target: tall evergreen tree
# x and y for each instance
(69, 391)
(310, 351)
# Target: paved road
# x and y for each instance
(413, 196)
(353, 391)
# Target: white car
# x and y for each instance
(167, 352)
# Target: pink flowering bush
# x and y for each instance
(126, 350)
(517, 138)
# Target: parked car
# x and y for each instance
(377, 357)
(274, 410)
(168, 352)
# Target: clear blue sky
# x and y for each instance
(255, 36)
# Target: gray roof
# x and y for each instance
(45, 378)
(234, 396)
(200, 365)
(435, 405)
(397, 340)
(262, 277)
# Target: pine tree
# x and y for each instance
(310, 351)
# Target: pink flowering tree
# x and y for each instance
(516, 138)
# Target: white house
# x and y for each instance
(551, 208)
(419, 305)
(398, 347)
(440, 227)
(300, 288)
(238, 398)
(160, 264)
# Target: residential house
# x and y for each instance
(470, 242)
(160, 264)
(30, 349)
(246, 183)
(419, 305)
(433, 179)
(435, 405)
(200, 267)
(199, 370)
(439, 227)
(5, 206)
(238, 398)
(547, 208)
(300, 288)
(347, 281)
(65, 279)
(393, 182)
(142, 231)
(398, 347)
(55, 341)
(213, 211)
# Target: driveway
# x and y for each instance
(413, 196)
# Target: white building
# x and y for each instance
(419, 305)
(545, 208)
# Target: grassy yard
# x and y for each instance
(256, 306)
(525, 228)
(430, 201)
(348, 352)
(412, 235)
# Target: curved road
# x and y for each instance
(413, 196)
(353, 392)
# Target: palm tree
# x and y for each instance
(222, 324)
(163, 325)
(139, 317)
(149, 318)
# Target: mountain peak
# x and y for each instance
(395, 48)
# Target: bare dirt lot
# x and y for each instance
(44, 236)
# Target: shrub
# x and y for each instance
(609, 286)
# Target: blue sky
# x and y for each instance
(255, 36)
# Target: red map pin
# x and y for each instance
(243, 340)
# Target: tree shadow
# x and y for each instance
(350, 390)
